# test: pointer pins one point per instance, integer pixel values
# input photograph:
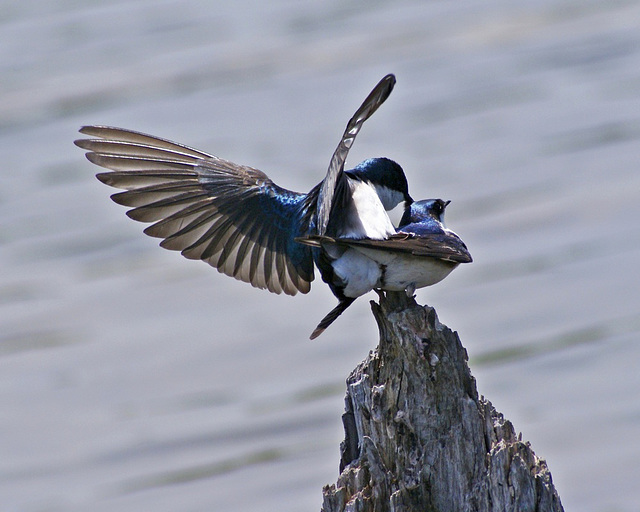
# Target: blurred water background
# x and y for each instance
(132, 379)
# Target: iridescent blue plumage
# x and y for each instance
(421, 253)
(424, 217)
(386, 175)
(240, 222)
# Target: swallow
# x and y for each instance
(421, 253)
(234, 217)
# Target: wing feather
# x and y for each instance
(335, 173)
(445, 246)
(231, 216)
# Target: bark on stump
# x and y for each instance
(417, 435)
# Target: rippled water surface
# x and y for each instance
(132, 379)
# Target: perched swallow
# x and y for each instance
(234, 217)
(421, 253)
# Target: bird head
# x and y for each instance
(421, 211)
(388, 179)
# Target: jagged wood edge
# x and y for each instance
(399, 457)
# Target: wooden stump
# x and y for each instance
(417, 435)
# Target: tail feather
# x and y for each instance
(331, 316)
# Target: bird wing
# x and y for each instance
(330, 190)
(231, 216)
(443, 246)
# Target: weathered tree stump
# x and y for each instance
(417, 435)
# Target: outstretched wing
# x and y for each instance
(443, 246)
(330, 185)
(231, 216)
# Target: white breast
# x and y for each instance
(389, 198)
(359, 273)
(366, 216)
(402, 271)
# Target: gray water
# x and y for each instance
(132, 379)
